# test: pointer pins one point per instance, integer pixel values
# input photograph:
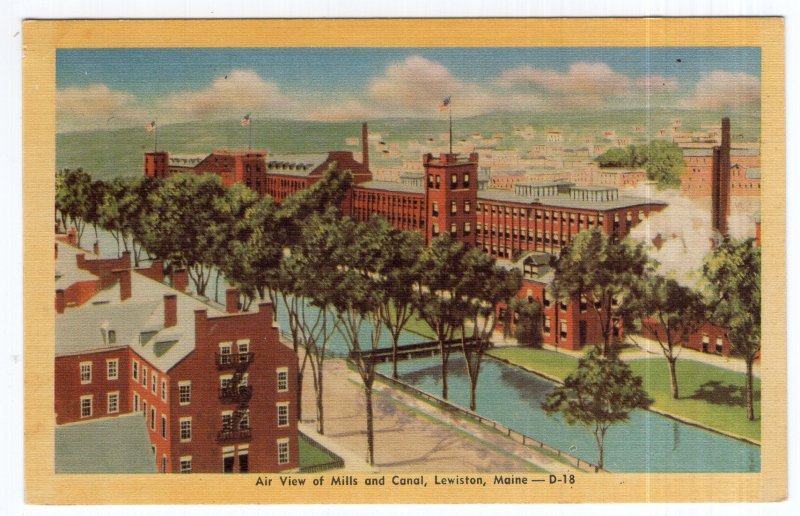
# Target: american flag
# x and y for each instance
(445, 104)
(245, 119)
(151, 126)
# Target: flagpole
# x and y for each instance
(451, 128)
(250, 134)
(155, 138)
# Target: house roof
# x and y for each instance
(564, 200)
(67, 271)
(109, 445)
(300, 165)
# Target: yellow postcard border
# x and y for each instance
(41, 38)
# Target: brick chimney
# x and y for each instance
(123, 276)
(232, 300)
(170, 310)
(180, 279)
(365, 146)
(721, 181)
(61, 301)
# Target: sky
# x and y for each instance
(111, 88)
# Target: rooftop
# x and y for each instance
(295, 164)
(392, 186)
(67, 271)
(564, 200)
(109, 445)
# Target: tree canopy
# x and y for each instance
(663, 161)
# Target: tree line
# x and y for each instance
(335, 275)
(663, 161)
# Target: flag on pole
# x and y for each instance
(445, 104)
(151, 126)
(245, 119)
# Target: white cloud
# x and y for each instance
(580, 78)
(96, 106)
(720, 89)
(237, 93)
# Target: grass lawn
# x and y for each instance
(312, 455)
(709, 395)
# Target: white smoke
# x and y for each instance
(680, 236)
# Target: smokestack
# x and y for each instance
(124, 278)
(232, 300)
(180, 279)
(365, 145)
(721, 181)
(61, 301)
(170, 310)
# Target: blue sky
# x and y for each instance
(126, 85)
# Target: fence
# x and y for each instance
(510, 433)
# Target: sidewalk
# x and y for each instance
(410, 434)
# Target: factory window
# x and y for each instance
(546, 326)
(467, 206)
(164, 389)
(163, 426)
(186, 464)
(466, 180)
(283, 379)
(186, 429)
(435, 208)
(185, 392)
(438, 181)
(283, 414)
(563, 329)
(283, 451)
(435, 230)
(113, 402)
(453, 207)
(467, 228)
(453, 181)
(86, 406)
(453, 230)
(718, 346)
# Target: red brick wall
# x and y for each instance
(402, 210)
(443, 168)
(206, 407)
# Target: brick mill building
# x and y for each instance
(212, 388)
(540, 217)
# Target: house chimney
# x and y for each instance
(61, 301)
(365, 146)
(96, 248)
(124, 278)
(180, 279)
(170, 310)
(232, 300)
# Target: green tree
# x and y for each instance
(74, 196)
(439, 300)
(527, 316)
(398, 275)
(673, 313)
(358, 297)
(733, 275)
(664, 163)
(186, 224)
(599, 394)
(614, 157)
(608, 274)
(483, 286)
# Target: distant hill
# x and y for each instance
(106, 154)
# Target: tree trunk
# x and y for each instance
(394, 356)
(320, 415)
(599, 451)
(444, 372)
(749, 390)
(370, 429)
(673, 377)
(473, 384)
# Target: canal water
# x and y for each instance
(648, 442)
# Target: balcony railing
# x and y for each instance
(241, 393)
(237, 434)
(233, 360)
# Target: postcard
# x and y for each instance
(404, 261)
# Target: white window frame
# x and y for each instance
(243, 346)
(112, 395)
(136, 402)
(164, 389)
(283, 448)
(186, 464)
(144, 376)
(115, 363)
(152, 418)
(185, 430)
(283, 385)
(90, 399)
(164, 426)
(88, 373)
(283, 419)
(135, 370)
(154, 382)
(185, 383)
